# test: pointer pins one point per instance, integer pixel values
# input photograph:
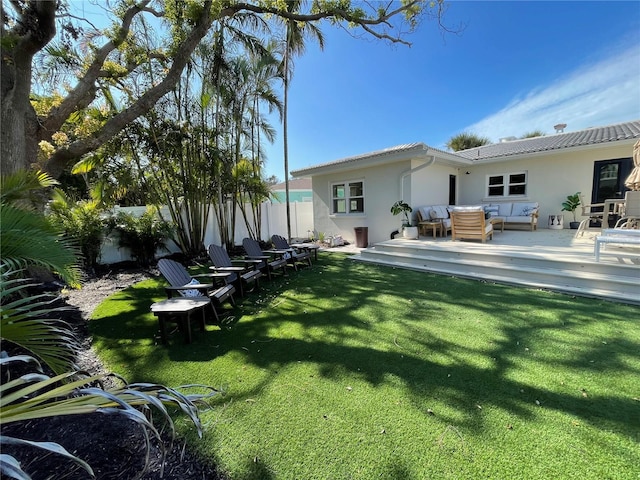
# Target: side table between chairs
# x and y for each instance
(179, 310)
(436, 227)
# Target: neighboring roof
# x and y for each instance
(397, 153)
(590, 136)
(294, 184)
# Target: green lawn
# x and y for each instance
(352, 371)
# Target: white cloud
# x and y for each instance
(599, 94)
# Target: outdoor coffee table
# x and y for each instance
(436, 226)
(179, 310)
(497, 221)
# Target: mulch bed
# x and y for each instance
(112, 445)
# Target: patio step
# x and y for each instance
(611, 281)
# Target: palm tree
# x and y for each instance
(464, 141)
(533, 134)
(295, 34)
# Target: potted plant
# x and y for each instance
(402, 207)
(570, 205)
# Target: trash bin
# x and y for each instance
(362, 237)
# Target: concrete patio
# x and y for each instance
(545, 259)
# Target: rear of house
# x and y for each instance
(359, 191)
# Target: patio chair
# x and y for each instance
(630, 213)
(270, 262)
(187, 286)
(594, 213)
(244, 273)
(470, 224)
(294, 256)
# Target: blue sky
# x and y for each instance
(516, 67)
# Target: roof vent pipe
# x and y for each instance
(560, 127)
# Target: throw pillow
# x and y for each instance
(425, 213)
(492, 210)
(523, 209)
(439, 212)
(192, 292)
(527, 211)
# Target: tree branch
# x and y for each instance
(57, 162)
(85, 91)
(36, 27)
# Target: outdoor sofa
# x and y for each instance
(521, 214)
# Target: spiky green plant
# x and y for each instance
(82, 221)
(38, 395)
(27, 237)
(29, 321)
(466, 140)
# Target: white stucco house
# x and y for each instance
(359, 191)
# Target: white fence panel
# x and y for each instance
(301, 219)
(274, 221)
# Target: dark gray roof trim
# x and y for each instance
(591, 136)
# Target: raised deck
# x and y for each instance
(546, 259)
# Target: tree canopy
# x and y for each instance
(92, 82)
(465, 140)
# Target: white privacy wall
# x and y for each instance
(274, 221)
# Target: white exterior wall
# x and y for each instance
(430, 186)
(274, 221)
(550, 178)
(381, 190)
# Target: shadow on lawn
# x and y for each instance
(463, 386)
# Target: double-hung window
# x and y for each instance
(347, 198)
(507, 185)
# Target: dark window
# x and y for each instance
(507, 185)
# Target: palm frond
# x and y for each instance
(11, 467)
(19, 186)
(34, 396)
(27, 238)
(26, 322)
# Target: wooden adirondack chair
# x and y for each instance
(295, 256)
(270, 262)
(244, 273)
(184, 284)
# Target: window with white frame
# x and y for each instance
(507, 185)
(347, 198)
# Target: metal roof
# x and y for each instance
(590, 136)
(547, 143)
(294, 184)
(399, 152)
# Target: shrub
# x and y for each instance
(83, 221)
(144, 235)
